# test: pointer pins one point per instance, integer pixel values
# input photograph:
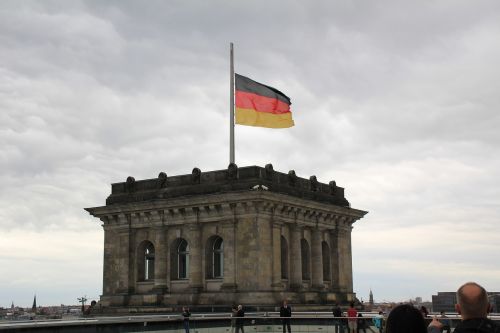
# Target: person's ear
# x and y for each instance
(457, 307)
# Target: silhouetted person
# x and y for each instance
(473, 307)
(239, 319)
(285, 314)
(234, 311)
(337, 319)
(361, 323)
(405, 318)
(186, 314)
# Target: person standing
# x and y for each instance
(186, 314)
(405, 318)
(337, 319)
(361, 323)
(378, 321)
(239, 319)
(285, 314)
(352, 320)
(473, 306)
(234, 311)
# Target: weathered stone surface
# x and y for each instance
(254, 236)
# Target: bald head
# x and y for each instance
(472, 301)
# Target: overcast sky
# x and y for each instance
(397, 101)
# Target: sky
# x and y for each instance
(397, 101)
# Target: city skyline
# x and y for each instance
(396, 102)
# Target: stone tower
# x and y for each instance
(247, 235)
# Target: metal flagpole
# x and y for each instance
(231, 106)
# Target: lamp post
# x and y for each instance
(82, 300)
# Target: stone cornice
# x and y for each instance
(225, 206)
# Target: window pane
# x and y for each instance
(218, 258)
(182, 263)
(149, 257)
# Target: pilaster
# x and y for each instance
(334, 258)
(161, 258)
(228, 234)
(317, 260)
(276, 256)
(344, 256)
(295, 258)
(195, 253)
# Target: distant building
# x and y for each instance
(495, 301)
(418, 300)
(246, 235)
(445, 301)
(371, 297)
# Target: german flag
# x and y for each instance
(260, 105)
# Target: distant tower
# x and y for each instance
(33, 307)
(12, 305)
(371, 297)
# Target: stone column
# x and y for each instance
(195, 253)
(295, 258)
(334, 258)
(276, 255)
(317, 260)
(161, 257)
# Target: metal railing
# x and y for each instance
(267, 322)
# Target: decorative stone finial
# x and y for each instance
(196, 175)
(269, 171)
(162, 180)
(130, 184)
(292, 178)
(314, 183)
(333, 187)
(232, 171)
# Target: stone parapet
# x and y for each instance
(221, 181)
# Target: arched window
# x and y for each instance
(306, 259)
(183, 259)
(284, 258)
(325, 254)
(146, 261)
(215, 258)
(179, 259)
(218, 255)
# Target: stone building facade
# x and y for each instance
(247, 235)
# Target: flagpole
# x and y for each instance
(231, 107)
